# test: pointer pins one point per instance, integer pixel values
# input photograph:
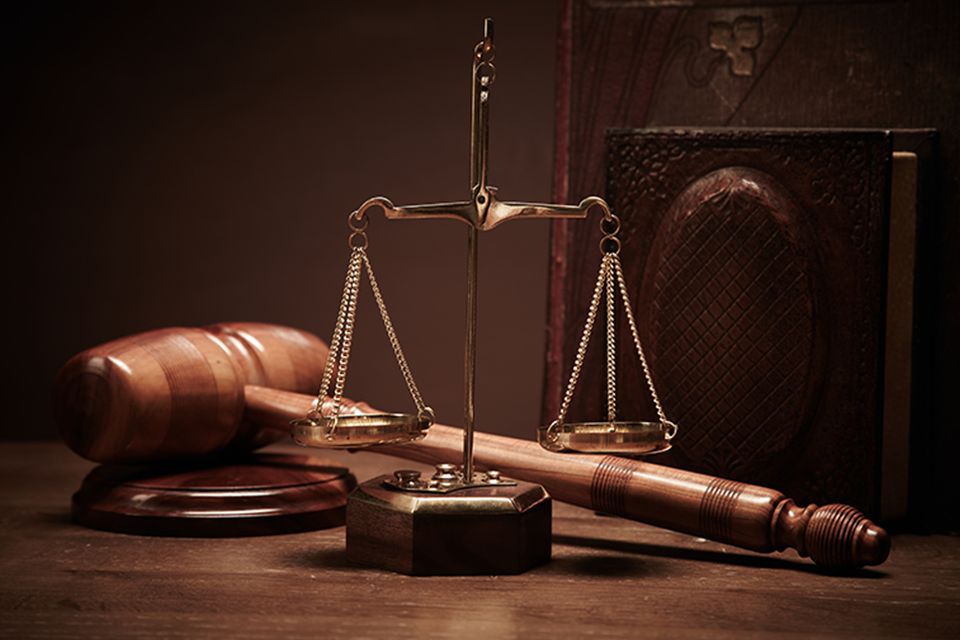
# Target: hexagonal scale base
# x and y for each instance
(486, 530)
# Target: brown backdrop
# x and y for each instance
(183, 163)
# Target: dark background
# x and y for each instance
(184, 163)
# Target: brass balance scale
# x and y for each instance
(458, 521)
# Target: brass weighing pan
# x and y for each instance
(358, 431)
(627, 438)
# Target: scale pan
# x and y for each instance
(356, 432)
(628, 438)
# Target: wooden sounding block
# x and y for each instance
(253, 495)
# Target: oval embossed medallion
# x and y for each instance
(730, 312)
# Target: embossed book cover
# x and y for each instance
(757, 263)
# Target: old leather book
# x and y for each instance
(757, 263)
(803, 64)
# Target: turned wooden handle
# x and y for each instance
(744, 515)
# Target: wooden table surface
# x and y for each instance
(608, 578)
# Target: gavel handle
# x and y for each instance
(743, 515)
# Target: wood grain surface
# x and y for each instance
(139, 398)
(249, 495)
(609, 577)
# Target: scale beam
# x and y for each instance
(482, 212)
(486, 216)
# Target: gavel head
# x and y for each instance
(178, 393)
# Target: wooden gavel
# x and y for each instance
(178, 393)
(175, 393)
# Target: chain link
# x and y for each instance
(346, 319)
(348, 300)
(611, 274)
(422, 408)
(584, 341)
(338, 357)
(611, 345)
(636, 341)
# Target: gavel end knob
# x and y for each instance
(839, 536)
(874, 546)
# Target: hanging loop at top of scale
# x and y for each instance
(611, 435)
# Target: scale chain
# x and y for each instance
(611, 350)
(584, 341)
(395, 343)
(342, 340)
(349, 288)
(636, 341)
(610, 276)
(347, 339)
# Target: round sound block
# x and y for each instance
(259, 494)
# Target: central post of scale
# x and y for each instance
(481, 213)
(457, 523)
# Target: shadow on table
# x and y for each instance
(614, 565)
(619, 559)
